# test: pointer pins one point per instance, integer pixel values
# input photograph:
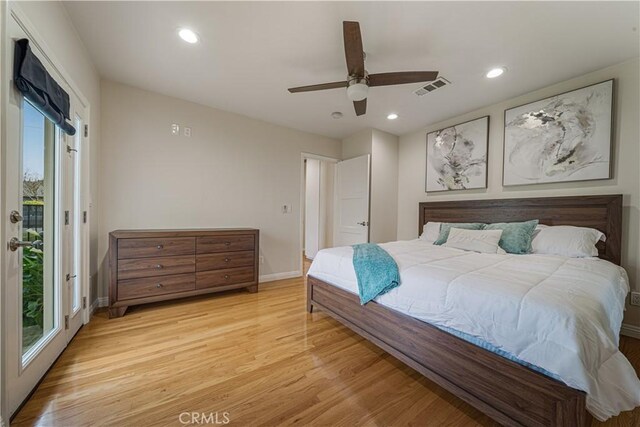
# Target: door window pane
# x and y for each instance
(38, 191)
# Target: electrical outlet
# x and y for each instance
(286, 209)
(187, 132)
(635, 298)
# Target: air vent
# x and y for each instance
(430, 87)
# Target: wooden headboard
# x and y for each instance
(600, 212)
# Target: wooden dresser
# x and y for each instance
(156, 265)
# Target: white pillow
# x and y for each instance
(567, 240)
(430, 232)
(484, 241)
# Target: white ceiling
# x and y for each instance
(250, 53)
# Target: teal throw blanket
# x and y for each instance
(376, 271)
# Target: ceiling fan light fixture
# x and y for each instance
(357, 91)
(495, 72)
(188, 35)
(392, 116)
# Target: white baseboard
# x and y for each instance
(93, 306)
(630, 331)
(97, 303)
(279, 276)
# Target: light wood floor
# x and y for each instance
(259, 357)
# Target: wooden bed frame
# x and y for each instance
(506, 391)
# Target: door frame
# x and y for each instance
(303, 157)
(12, 11)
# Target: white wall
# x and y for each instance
(233, 172)
(384, 187)
(3, 409)
(626, 155)
(357, 144)
(312, 208)
(52, 23)
(327, 183)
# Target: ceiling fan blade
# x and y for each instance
(322, 86)
(353, 48)
(360, 107)
(386, 79)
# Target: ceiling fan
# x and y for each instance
(359, 80)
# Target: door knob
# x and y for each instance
(363, 223)
(15, 217)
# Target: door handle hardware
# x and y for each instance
(69, 276)
(15, 217)
(15, 244)
(363, 223)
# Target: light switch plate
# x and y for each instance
(286, 209)
(175, 129)
(187, 132)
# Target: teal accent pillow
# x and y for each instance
(516, 236)
(445, 227)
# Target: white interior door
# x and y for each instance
(352, 201)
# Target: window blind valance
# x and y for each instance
(39, 88)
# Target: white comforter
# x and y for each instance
(561, 314)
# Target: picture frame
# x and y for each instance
(562, 138)
(457, 156)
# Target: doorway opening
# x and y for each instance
(317, 201)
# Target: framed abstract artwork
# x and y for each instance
(457, 156)
(563, 138)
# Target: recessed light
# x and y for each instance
(392, 116)
(188, 35)
(336, 115)
(495, 72)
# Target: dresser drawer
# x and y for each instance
(152, 286)
(155, 247)
(212, 244)
(220, 260)
(228, 276)
(149, 267)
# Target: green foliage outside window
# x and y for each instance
(32, 283)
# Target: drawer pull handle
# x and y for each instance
(227, 260)
(227, 243)
(159, 266)
(159, 246)
(159, 285)
(226, 276)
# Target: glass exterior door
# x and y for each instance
(42, 281)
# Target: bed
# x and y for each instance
(509, 391)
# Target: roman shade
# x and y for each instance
(39, 88)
